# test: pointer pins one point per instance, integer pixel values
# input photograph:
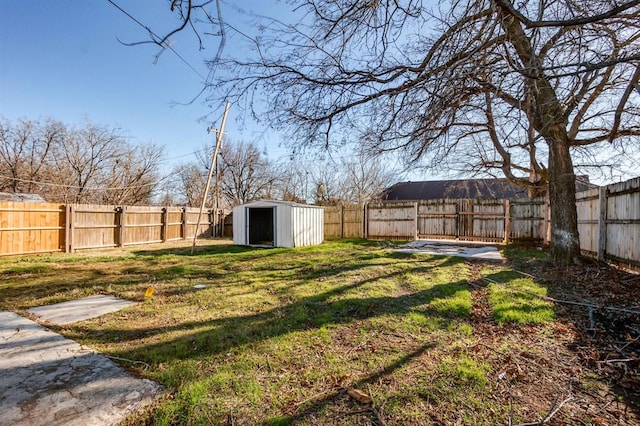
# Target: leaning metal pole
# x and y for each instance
(214, 158)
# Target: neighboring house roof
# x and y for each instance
(21, 197)
(467, 188)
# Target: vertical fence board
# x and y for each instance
(527, 219)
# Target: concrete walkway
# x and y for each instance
(80, 309)
(46, 379)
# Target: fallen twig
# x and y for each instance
(316, 396)
(132, 361)
(553, 410)
(375, 411)
(611, 361)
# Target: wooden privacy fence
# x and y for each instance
(465, 219)
(608, 221)
(27, 228)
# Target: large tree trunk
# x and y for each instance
(565, 243)
(548, 119)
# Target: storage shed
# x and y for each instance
(278, 224)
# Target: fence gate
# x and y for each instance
(464, 219)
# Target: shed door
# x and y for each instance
(261, 226)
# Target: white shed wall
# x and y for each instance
(297, 225)
(239, 226)
(308, 225)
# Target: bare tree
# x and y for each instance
(132, 177)
(189, 182)
(88, 164)
(25, 150)
(82, 158)
(525, 88)
(294, 181)
(329, 182)
(365, 178)
(246, 174)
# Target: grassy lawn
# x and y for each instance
(284, 336)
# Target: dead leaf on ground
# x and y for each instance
(359, 396)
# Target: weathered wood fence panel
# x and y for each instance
(93, 226)
(528, 219)
(588, 209)
(621, 228)
(393, 221)
(191, 222)
(27, 228)
(142, 225)
(464, 219)
(31, 227)
(484, 219)
(174, 219)
(437, 218)
(343, 222)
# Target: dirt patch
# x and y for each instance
(559, 379)
(591, 367)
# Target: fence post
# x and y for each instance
(341, 221)
(183, 224)
(457, 220)
(602, 224)
(69, 228)
(365, 221)
(507, 220)
(165, 224)
(415, 215)
(546, 239)
(120, 214)
(212, 223)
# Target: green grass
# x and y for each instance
(277, 334)
(518, 299)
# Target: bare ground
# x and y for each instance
(590, 369)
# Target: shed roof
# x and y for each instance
(266, 203)
(21, 197)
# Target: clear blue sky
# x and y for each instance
(62, 59)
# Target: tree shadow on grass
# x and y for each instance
(315, 406)
(222, 335)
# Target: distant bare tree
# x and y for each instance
(247, 175)
(88, 164)
(190, 182)
(294, 181)
(365, 178)
(329, 182)
(25, 150)
(133, 176)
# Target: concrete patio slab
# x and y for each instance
(46, 379)
(80, 309)
(473, 250)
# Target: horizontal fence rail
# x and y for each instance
(30, 228)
